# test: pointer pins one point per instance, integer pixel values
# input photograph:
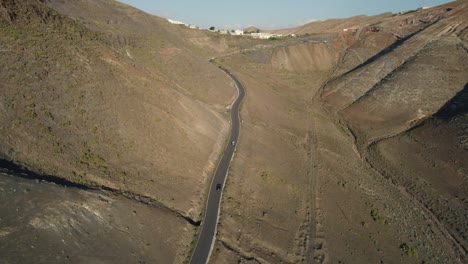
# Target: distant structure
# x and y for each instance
(238, 32)
(351, 29)
(251, 32)
(424, 7)
(175, 22)
(262, 35)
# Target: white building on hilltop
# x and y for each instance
(175, 22)
(238, 32)
(265, 35)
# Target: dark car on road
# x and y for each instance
(218, 187)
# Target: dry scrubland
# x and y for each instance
(353, 145)
(101, 94)
(366, 169)
(113, 99)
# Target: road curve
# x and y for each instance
(205, 242)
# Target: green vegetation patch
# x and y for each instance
(232, 203)
(80, 178)
(409, 250)
(48, 115)
(30, 113)
(88, 159)
(375, 214)
(65, 123)
(10, 32)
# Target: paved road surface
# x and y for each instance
(209, 223)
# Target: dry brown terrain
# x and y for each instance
(353, 146)
(47, 223)
(104, 95)
(310, 190)
(110, 103)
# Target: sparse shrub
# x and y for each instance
(103, 170)
(58, 148)
(47, 131)
(121, 176)
(89, 158)
(80, 178)
(48, 115)
(30, 113)
(409, 250)
(10, 32)
(377, 217)
(65, 123)
(264, 175)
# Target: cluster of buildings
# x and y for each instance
(237, 32)
(351, 29)
(258, 35)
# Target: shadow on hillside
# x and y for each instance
(455, 106)
(11, 168)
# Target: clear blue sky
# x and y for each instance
(269, 14)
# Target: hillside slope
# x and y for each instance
(110, 98)
(431, 161)
(406, 109)
(316, 180)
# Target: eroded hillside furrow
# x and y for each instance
(385, 79)
(448, 215)
(305, 57)
(391, 109)
(343, 91)
(392, 47)
(412, 191)
(410, 93)
(242, 256)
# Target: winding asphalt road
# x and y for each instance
(207, 236)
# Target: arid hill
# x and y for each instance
(366, 166)
(407, 113)
(104, 95)
(112, 98)
(251, 29)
